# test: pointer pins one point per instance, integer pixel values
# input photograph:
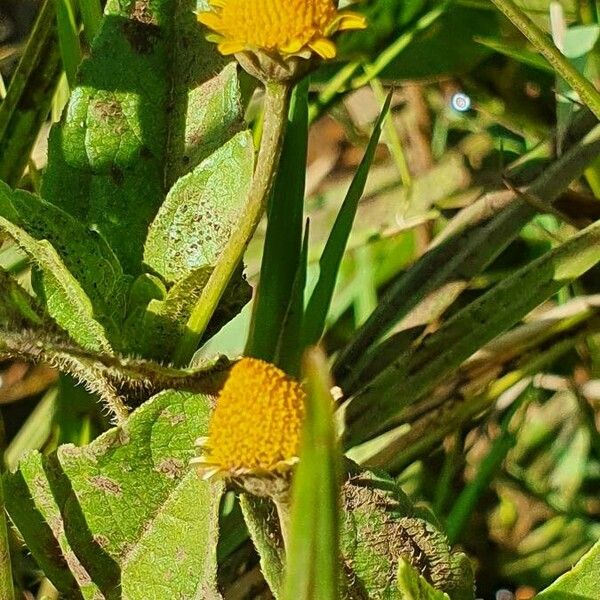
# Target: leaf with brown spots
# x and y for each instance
(126, 511)
(154, 99)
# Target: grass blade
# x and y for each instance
(419, 371)
(427, 431)
(313, 549)
(29, 95)
(283, 242)
(7, 590)
(320, 300)
(465, 504)
(289, 345)
(526, 57)
(466, 247)
(68, 39)
(91, 15)
(35, 431)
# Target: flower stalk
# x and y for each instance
(277, 99)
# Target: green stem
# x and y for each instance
(7, 590)
(393, 141)
(587, 92)
(277, 98)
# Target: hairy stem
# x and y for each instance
(276, 111)
(587, 92)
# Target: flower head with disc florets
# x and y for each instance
(255, 428)
(278, 31)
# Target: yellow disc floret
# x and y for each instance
(283, 27)
(256, 425)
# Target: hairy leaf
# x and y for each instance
(84, 253)
(65, 299)
(144, 114)
(34, 511)
(381, 527)
(200, 212)
(162, 323)
(134, 514)
(413, 586)
(580, 583)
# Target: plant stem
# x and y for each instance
(7, 590)
(587, 92)
(277, 98)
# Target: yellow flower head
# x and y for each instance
(256, 425)
(286, 28)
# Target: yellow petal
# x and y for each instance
(210, 19)
(228, 48)
(292, 47)
(324, 48)
(350, 20)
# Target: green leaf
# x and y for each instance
(65, 300)
(84, 253)
(164, 321)
(427, 56)
(580, 583)
(213, 110)
(134, 514)
(313, 570)
(201, 211)
(381, 526)
(413, 586)
(33, 509)
(320, 300)
(283, 240)
(419, 371)
(138, 120)
(29, 95)
(385, 19)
